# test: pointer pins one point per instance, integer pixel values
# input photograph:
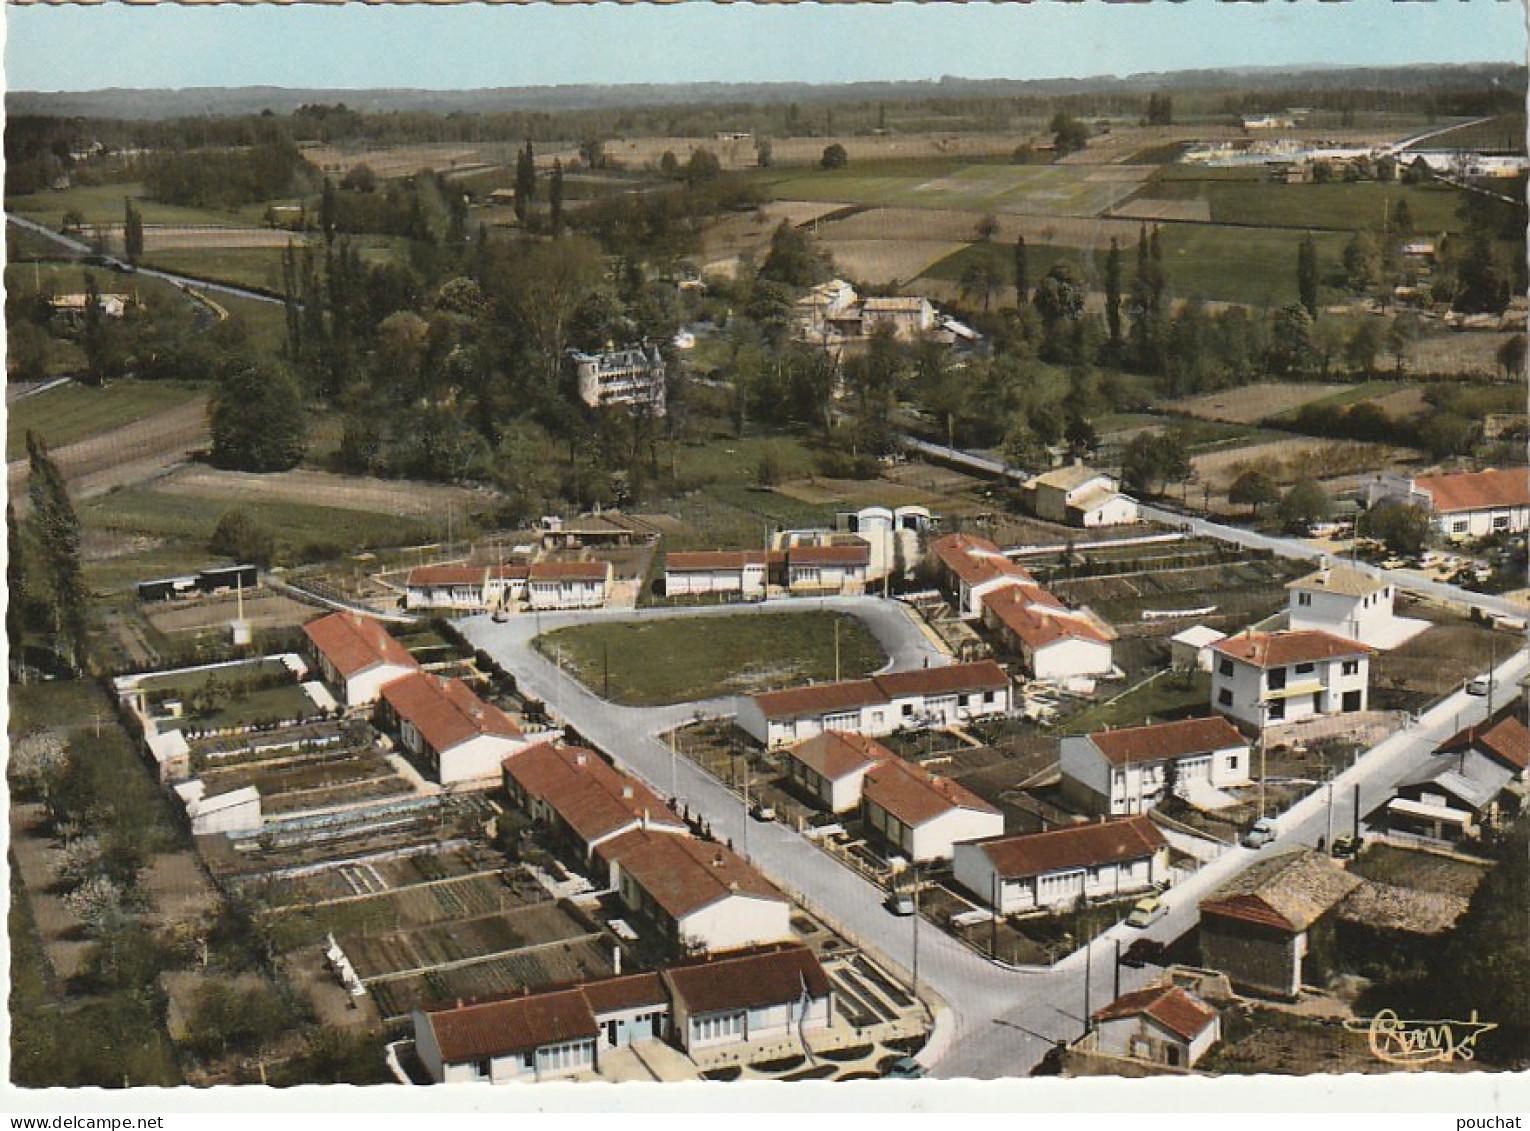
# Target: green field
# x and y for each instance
(1331, 207)
(1054, 190)
(685, 658)
(103, 204)
(241, 266)
(72, 412)
(1147, 701)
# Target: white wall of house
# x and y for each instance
(749, 581)
(975, 871)
(1460, 526)
(1365, 619)
(971, 597)
(1142, 1038)
(837, 796)
(445, 597)
(1070, 656)
(1238, 690)
(737, 920)
(477, 759)
(566, 594)
(364, 687)
(877, 718)
(1137, 786)
(1118, 510)
(934, 838)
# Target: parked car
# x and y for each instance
(1144, 952)
(1479, 686)
(899, 903)
(1260, 833)
(761, 811)
(1147, 911)
(906, 1068)
(1345, 847)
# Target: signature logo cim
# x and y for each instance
(1396, 1041)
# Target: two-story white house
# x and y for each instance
(356, 656)
(1055, 869)
(1080, 496)
(1126, 770)
(1053, 641)
(1346, 602)
(971, 567)
(1268, 678)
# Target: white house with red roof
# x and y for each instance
(744, 573)
(463, 587)
(458, 736)
(831, 767)
(1053, 641)
(1125, 770)
(922, 815)
(1270, 678)
(1080, 496)
(836, 565)
(1159, 1024)
(971, 567)
(882, 704)
(1464, 505)
(568, 585)
(1351, 603)
(356, 656)
(1054, 869)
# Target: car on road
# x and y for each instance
(1479, 686)
(906, 1068)
(1144, 952)
(1147, 911)
(1345, 847)
(899, 903)
(1260, 833)
(762, 811)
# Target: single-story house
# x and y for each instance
(701, 895)
(744, 572)
(1258, 927)
(780, 992)
(922, 815)
(1080, 496)
(831, 767)
(356, 656)
(1503, 739)
(568, 585)
(1190, 648)
(1053, 642)
(1464, 505)
(1055, 869)
(907, 316)
(452, 587)
(1159, 1024)
(833, 567)
(1268, 678)
(971, 567)
(581, 797)
(878, 705)
(458, 736)
(1125, 770)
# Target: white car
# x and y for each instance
(1479, 686)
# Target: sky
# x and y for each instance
(89, 47)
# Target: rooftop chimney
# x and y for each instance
(627, 793)
(579, 758)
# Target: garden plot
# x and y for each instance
(259, 608)
(314, 781)
(577, 959)
(461, 942)
(1241, 592)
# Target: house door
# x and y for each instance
(1195, 769)
(611, 1034)
(657, 1020)
(1351, 701)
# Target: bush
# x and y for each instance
(244, 538)
(834, 157)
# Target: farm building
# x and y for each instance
(1258, 927)
(907, 317)
(1190, 648)
(1053, 642)
(237, 811)
(71, 307)
(1080, 496)
(744, 572)
(1264, 678)
(1463, 505)
(1159, 1024)
(971, 567)
(1503, 739)
(562, 1032)
(568, 585)
(701, 895)
(1453, 798)
(827, 312)
(633, 376)
(356, 656)
(879, 705)
(1126, 770)
(458, 736)
(213, 580)
(831, 767)
(1054, 869)
(581, 797)
(605, 528)
(921, 815)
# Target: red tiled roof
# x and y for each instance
(569, 571)
(836, 754)
(626, 991)
(984, 675)
(1506, 741)
(848, 553)
(475, 1032)
(1108, 842)
(445, 711)
(1162, 741)
(683, 875)
(1476, 490)
(914, 795)
(1248, 908)
(594, 798)
(1288, 892)
(975, 559)
(1277, 649)
(353, 643)
(748, 980)
(1037, 626)
(423, 576)
(1172, 1007)
(510, 572)
(700, 560)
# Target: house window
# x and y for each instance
(528, 1059)
(481, 1068)
(1305, 669)
(1224, 697)
(1232, 762)
(1304, 598)
(1277, 678)
(908, 710)
(1226, 667)
(1458, 527)
(1277, 710)
(1501, 522)
(1351, 667)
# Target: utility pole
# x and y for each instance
(605, 664)
(916, 930)
(1355, 831)
(1328, 839)
(1264, 722)
(836, 649)
(1088, 973)
(1117, 993)
(993, 920)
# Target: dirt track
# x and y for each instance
(126, 455)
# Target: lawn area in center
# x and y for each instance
(700, 657)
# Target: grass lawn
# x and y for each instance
(673, 661)
(103, 204)
(72, 412)
(189, 682)
(1332, 207)
(54, 703)
(241, 266)
(1149, 701)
